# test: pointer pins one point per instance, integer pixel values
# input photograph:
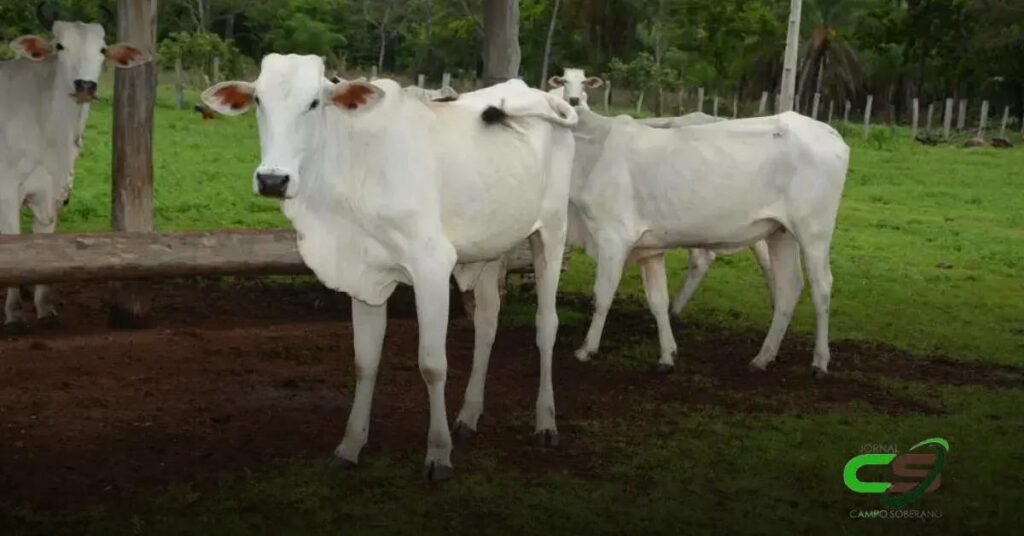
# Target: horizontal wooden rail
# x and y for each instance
(57, 258)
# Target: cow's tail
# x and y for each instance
(554, 110)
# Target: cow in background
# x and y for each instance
(46, 93)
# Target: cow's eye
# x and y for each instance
(314, 104)
(60, 46)
(103, 51)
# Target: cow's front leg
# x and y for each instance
(46, 313)
(10, 224)
(368, 326)
(430, 285)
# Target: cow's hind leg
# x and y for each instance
(819, 274)
(548, 246)
(788, 282)
(697, 267)
(46, 313)
(656, 289)
(764, 260)
(611, 258)
(487, 300)
(10, 224)
(368, 326)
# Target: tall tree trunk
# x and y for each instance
(788, 89)
(547, 45)
(501, 40)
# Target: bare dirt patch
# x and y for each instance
(236, 376)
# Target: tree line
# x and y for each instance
(893, 49)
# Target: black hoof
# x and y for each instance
(48, 321)
(16, 328)
(546, 438)
(436, 472)
(818, 373)
(665, 369)
(754, 368)
(338, 463)
(462, 432)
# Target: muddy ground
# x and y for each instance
(234, 376)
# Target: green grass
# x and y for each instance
(907, 210)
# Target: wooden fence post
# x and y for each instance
(682, 92)
(421, 80)
(735, 106)
(961, 120)
(913, 118)
(928, 124)
(831, 107)
(700, 99)
(846, 111)
(373, 73)
(132, 166)
(714, 108)
(947, 120)
(764, 103)
(216, 70)
(778, 103)
(814, 105)
(179, 85)
(983, 120)
(446, 80)
(607, 97)
(1006, 118)
(867, 114)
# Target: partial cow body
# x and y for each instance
(42, 119)
(639, 191)
(384, 188)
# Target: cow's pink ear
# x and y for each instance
(124, 55)
(352, 96)
(593, 82)
(32, 47)
(230, 98)
(556, 81)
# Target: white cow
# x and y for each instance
(701, 259)
(573, 82)
(384, 188)
(46, 95)
(638, 191)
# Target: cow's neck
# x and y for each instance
(65, 122)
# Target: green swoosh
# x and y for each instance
(916, 493)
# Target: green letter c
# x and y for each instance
(854, 465)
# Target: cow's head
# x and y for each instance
(289, 97)
(79, 50)
(574, 82)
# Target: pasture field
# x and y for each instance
(221, 418)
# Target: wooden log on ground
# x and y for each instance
(59, 258)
